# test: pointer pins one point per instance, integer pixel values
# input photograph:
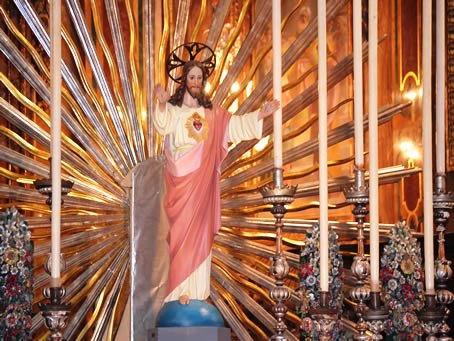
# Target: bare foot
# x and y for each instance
(184, 299)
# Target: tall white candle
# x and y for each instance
(427, 145)
(440, 84)
(277, 82)
(55, 107)
(358, 83)
(373, 149)
(323, 144)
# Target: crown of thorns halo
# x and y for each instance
(176, 59)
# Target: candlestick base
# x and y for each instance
(55, 313)
(376, 315)
(324, 316)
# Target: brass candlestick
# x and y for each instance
(55, 313)
(279, 195)
(443, 202)
(358, 195)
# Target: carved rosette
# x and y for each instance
(324, 323)
(376, 327)
(431, 329)
(325, 317)
(431, 317)
(55, 321)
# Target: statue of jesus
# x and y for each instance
(197, 135)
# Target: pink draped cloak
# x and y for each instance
(192, 202)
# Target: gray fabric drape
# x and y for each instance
(149, 247)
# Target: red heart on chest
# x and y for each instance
(197, 125)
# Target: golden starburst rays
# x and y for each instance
(113, 54)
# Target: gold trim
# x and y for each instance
(163, 44)
(256, 62)
(411, 74)
(196, 30)
(412, 214)
(226, 50)
(93, 316)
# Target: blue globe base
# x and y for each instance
(197, 313)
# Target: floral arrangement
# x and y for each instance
(16, 288)
(309, 277)
(402, 279)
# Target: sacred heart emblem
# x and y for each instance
(197, 127)
(197, 124)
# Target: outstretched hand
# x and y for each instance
(268, 108)
(162, 95)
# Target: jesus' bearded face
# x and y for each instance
(194, 82)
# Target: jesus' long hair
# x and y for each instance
(203, 99)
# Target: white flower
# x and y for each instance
(392, 284)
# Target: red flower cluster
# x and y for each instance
(408, 293)
(12, 289)
(305, 270)
(386, 274)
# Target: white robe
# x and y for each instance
(172, 122)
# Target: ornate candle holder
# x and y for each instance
(443, 202)
(44, 186)
(376, 316)
(431, 317)
(54, 312)
(279, 196)
(325, 317)
(358, 195)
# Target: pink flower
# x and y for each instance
(409, 319)
(409, 296)
(305, 270)
(11, 320)
(306, 324)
